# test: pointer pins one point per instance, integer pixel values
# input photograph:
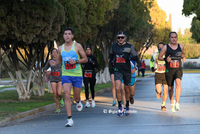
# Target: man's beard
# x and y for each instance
(121, 43)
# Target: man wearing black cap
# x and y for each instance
(89, 75)
(120, 54)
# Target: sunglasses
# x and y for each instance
(122, 37)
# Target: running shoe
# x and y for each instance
(87, 105)
(131, 100)
(93, 103)
(120, 111)
(177, 107)
(127, 112)
(62, 104)
(163, 108)
(70, 123)
(79, 106)
(114, 103)
(57, 110)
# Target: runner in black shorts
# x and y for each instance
(159, 67)
(55, 80)
(120, 54)
(173, 53)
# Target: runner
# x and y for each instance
(132, 87)
(113, 82)
(159, 76)
(69, 55)
(120, 54)
(55, 79)
(173, 53)
(133, 81)
(89, 75)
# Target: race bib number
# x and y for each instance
(88, 74)
(69, 66)
(174, 64)
(120, 60)
(56, 73)
(161, 67)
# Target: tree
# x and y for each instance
(193, 7)
(29, 25)
(140, 31)
(83, 16)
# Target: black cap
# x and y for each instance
(89, 47)
(121, 32)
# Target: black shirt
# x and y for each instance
(89, 66)
(175, 57)
(120, 55)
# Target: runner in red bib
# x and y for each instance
(173, 53)
(89, 75)
(55, 79)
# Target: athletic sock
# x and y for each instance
(127, 103)
(163, 103)
(119, 104)
(69, 117)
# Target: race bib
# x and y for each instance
(161, 67)
(56, 73)
(120, 60)
(88, 74)
(69, 66)
(174, 64)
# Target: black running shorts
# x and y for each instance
(160, 79)
(172, 74)
(125, 76)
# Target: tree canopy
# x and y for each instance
(193, 7)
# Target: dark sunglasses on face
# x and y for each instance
(122, 37)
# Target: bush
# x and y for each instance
(191, 65)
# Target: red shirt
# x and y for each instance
(143, 65)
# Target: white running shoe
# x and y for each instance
(177, 107)
(87, 105)
(70, 123)
(79, 106)
(93, 103)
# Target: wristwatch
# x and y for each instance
(76, 61)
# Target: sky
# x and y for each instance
(175, 8)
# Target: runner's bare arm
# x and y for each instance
(162, 52)
(59, 58)
(81, 52)
(133, 70)
(182, 55)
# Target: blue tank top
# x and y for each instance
(67, 68)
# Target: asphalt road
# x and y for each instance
(146, 116)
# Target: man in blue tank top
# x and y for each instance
(69, 55)
(173, 53)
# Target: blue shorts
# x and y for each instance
(132, 81)
(75, 80)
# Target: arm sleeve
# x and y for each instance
(134, 55)
(47, 65)
(111, 56)
(151, 62)
(96, 62)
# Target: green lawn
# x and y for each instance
(5, 87)
(10, 105)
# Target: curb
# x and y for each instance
(41, 111)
